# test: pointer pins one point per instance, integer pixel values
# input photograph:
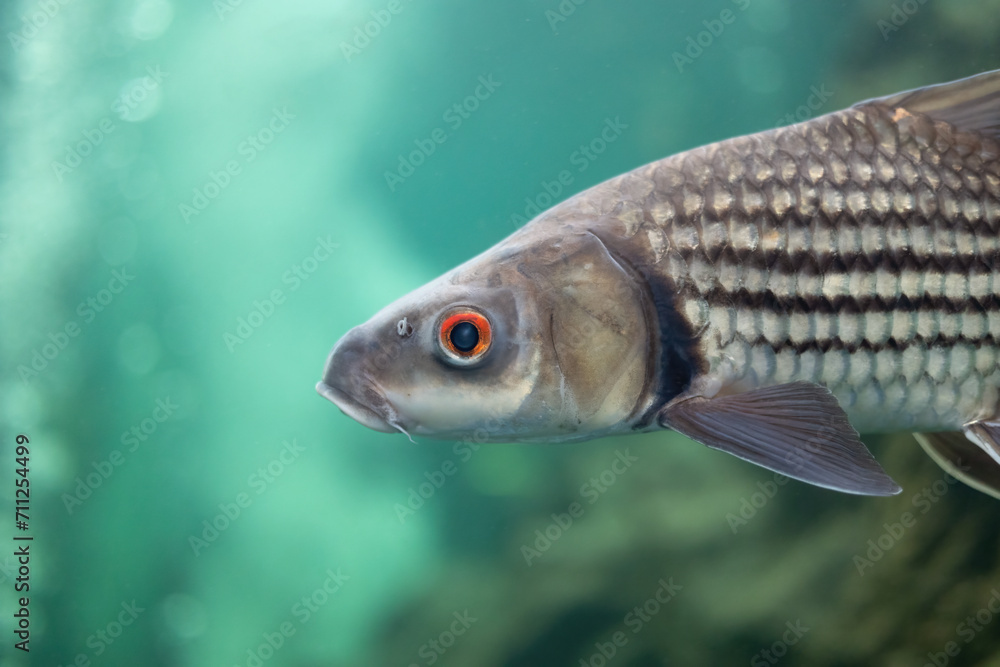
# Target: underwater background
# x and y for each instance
(197, 199)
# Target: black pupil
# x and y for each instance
(464, 336)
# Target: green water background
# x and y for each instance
(163, 97)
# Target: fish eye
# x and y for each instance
(464, 335)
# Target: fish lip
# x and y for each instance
(354, 409)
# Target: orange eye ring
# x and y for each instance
(464, 335)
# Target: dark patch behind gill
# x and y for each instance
(675, 360)
(679, 358)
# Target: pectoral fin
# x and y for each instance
(796, 429)
(963, 459)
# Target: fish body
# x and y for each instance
(856, 251)
(768, 295)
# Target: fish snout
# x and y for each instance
(347, 384)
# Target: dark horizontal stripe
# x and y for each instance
(806, 304)
(819, 260)
(833, 344)
(771, 303)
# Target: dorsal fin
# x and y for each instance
(971, 104)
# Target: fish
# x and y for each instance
(770, 296)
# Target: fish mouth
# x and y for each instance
(354, 409)
(350, 383)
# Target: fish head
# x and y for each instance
(543, 339)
